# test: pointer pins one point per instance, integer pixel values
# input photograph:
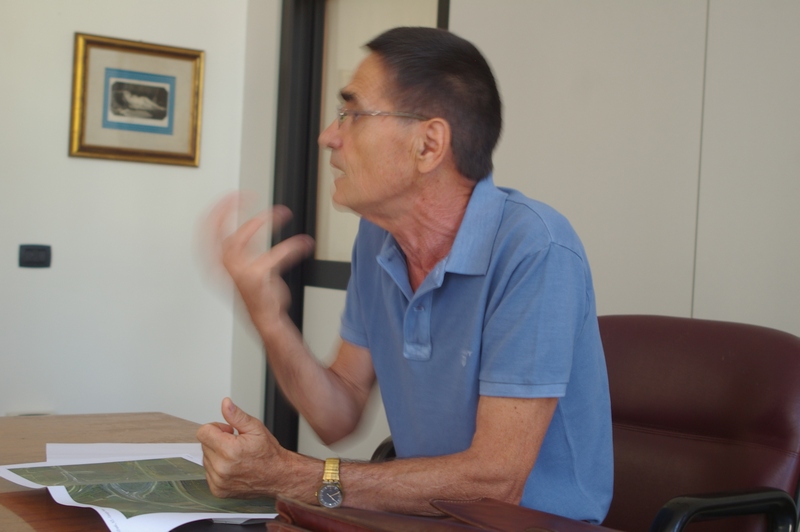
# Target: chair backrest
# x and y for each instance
(699, 406)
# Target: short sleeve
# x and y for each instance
(352, 328)
(532, 324)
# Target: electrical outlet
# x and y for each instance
(34, 256)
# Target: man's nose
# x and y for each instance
(330, 137)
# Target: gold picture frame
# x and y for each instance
(136, 101)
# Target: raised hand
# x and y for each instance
(257, 274)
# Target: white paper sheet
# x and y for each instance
(96, 451)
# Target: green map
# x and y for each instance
(143, 487)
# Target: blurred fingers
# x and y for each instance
(288, 253)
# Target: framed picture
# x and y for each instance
(136, 101)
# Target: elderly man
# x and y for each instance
(470, 304)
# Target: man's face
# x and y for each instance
(372, 156)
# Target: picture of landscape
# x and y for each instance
(142, 487)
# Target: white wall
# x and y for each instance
(123, 320)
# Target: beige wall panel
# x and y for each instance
(349, 24)
(321, 312)
(602, 115)
(748, 259)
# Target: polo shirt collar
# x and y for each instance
(472, 248)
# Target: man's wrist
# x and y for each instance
(330, 493)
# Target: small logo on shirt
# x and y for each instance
(465, 354)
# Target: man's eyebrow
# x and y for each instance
(347, 96)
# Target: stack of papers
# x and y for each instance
(135, 487)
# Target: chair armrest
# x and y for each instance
(384, 452)
(776, 504)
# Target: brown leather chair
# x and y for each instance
(706, 420)
(699, 407)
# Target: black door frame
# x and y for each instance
(296, 167)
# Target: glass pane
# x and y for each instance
(349, 24)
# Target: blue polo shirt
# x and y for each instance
(510, 312)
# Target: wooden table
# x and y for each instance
(23, 439)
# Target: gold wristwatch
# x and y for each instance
(330, 494)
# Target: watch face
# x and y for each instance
(330, 495)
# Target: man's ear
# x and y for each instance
(434, 145)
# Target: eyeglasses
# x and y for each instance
(344, 113)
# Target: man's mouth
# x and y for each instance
(337, 173)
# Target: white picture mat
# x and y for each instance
(97, 60)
